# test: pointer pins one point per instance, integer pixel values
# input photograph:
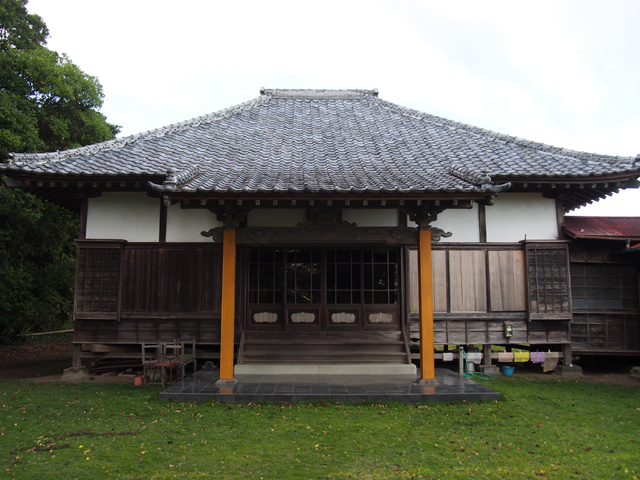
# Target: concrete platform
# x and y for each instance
(327, 369)
(200, 387)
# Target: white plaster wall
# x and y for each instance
(375, 217)
(185, 225)
(130, 216)
(462, 223)
(516, 215)
(276, 217)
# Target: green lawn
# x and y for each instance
(539, 429)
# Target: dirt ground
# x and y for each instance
(46, 362)
(43, 363)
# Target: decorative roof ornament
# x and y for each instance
(176, 178)
(477, 178)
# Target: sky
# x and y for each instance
(564, 73)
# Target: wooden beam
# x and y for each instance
(427, 360)
(482, 222)
(84, 208)
(162, 234)
(228, 304)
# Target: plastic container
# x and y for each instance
(508, 371)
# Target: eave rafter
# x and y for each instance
(575, 192)
(371, 202)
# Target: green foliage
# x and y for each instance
(37, 264)
(18, 28)
(540, 429)
(46, 103)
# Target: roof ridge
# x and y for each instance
(483, 132)
(318, 93)
(41, 158)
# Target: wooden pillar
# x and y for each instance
(76, 361)
(228, 304)
(427, 360)
(567, 355)
(486, 353)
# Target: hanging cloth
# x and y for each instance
(537, 357)
(505, 357)
(474, 358)
(520, 356)
(551, 361)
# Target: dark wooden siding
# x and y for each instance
(134, 293)
(548, 281)
(98, 274)
(606, 317)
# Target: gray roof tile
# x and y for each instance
(322, 141)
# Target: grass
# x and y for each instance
(541, 428)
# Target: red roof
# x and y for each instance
(607, 228)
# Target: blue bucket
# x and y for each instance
(508, 371)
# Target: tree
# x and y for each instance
(47, 103)
(37, 264)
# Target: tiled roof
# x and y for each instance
(322, 141)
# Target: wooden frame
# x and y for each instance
(362, 315)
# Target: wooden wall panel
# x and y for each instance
(467, 277)
(456, 332)
(439, 268)
(439, 271)
(414, 283)
(605, 332)
(477, 332)
(439, 332)
(211, 280)
(180, 280)
(98, 279)
(141, 274)
(507, 280)
(145, 330)
(548, 281)
(164, 280)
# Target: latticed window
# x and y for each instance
(604, 287)
(334, 277)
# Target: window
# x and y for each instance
(604, 287)
(351, 277)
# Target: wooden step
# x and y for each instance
(320, 341)
(322, 360)
(354, 349)
(323, 347)
(325, 354)
(324, 337)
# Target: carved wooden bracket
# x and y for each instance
(438, 233)
(425, 214)
(230, 217)
(215, 234)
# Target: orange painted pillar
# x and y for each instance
(427, 360)
(228, 304)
